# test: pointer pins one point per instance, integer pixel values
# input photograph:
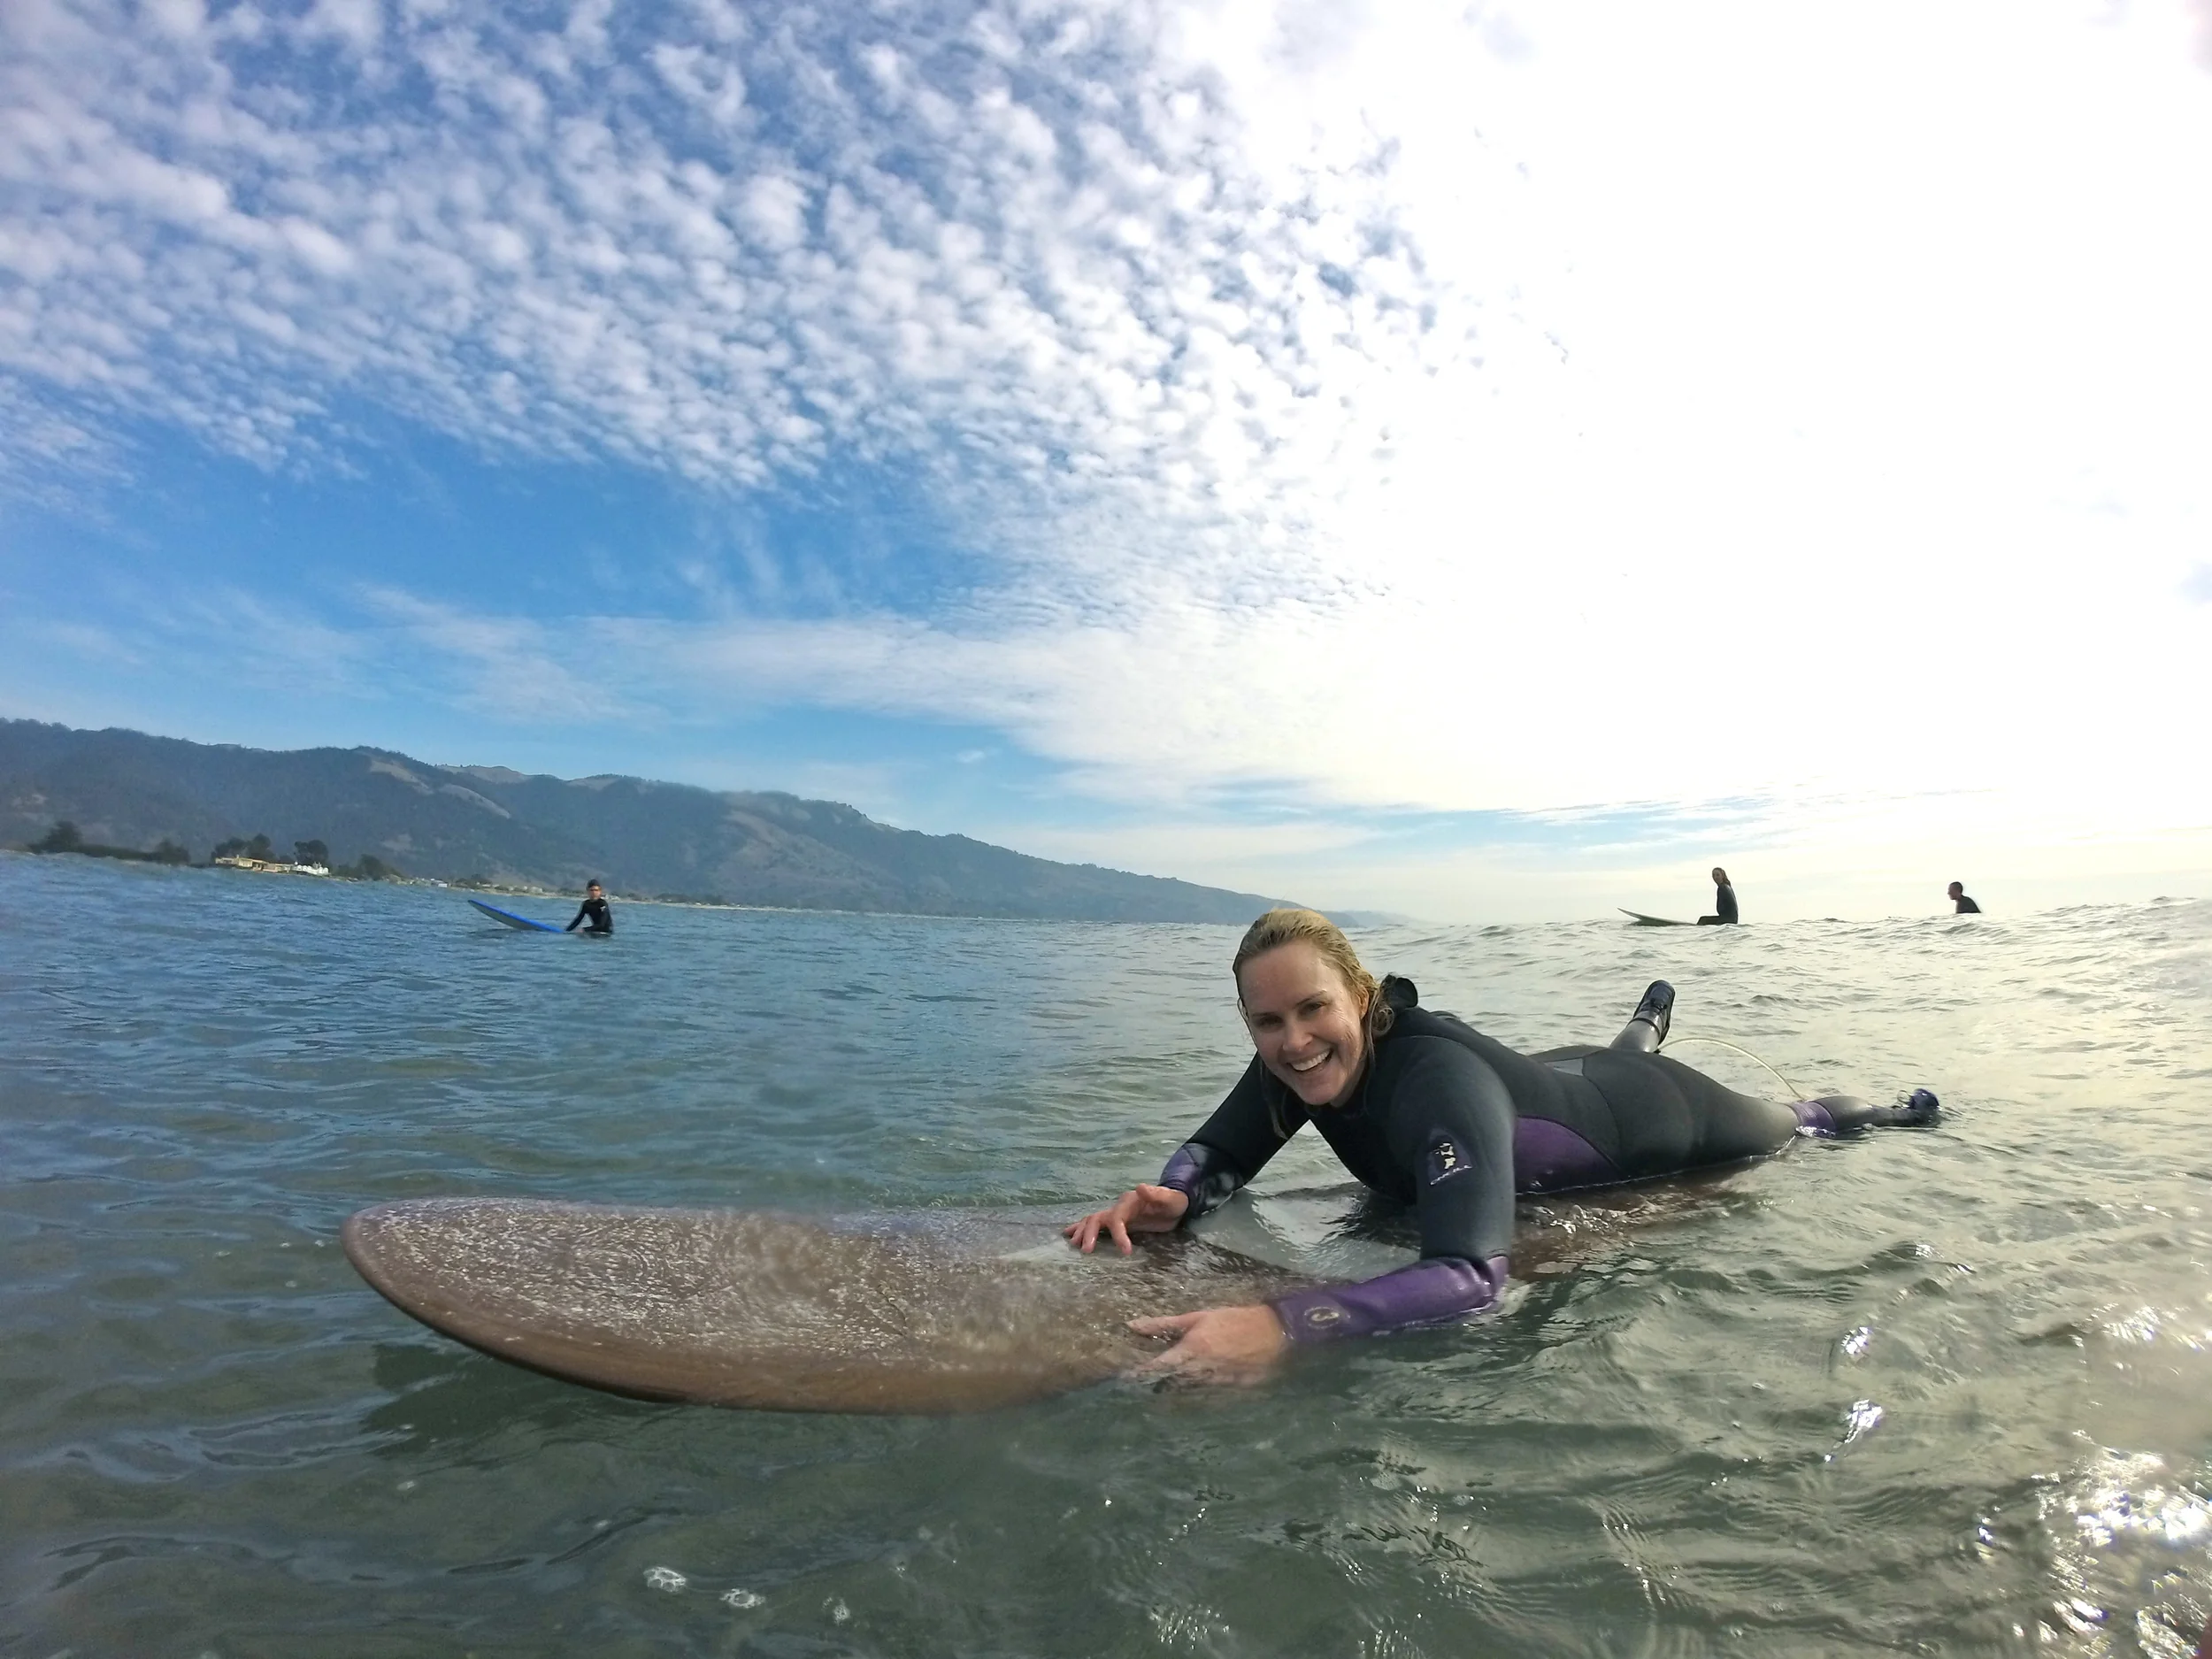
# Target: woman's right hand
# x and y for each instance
(1146, 1208)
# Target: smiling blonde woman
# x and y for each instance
(1430, 1113)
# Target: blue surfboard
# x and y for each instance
(521, 923)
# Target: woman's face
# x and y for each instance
(1309, 1027)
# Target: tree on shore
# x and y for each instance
(310, 853)
(65, 837)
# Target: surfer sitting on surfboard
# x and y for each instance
(1724, 901)
(594, 909)
(1426, 1110)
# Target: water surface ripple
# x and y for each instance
(1944, 1392)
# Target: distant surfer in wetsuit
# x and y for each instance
(1724, 901)
(594, 910)
(1427, 1110)
(1965, 906)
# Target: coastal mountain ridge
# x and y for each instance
(128, 789)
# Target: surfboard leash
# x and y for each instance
(1722, 1042)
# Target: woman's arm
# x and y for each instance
(1435, 1290)
(1452, 1127)
(1452, 1124)
(1242, 1344)
(1247, 1129)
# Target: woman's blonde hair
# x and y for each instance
(1286, 926)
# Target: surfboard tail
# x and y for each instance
(508, 919)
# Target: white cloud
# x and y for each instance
(501, 667)
(1398, 405)
(886, 245)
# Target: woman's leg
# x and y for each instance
(1739, 1125)
(1669, 1118)
(1837, 1114)
(1647, 1027)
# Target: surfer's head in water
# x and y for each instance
(1312, 1009)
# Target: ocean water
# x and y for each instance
(1944, 1392)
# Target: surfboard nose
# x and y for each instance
(747, 1308)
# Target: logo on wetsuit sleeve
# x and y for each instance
(1446, 1159)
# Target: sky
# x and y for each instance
(1483, 462)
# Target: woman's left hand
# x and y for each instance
(1215, 1345)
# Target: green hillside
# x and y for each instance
(125, 789)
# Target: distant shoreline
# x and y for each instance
(391, 814)
(431, 883)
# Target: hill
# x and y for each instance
(644, 839)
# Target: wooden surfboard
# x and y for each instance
(934, 1313)
(927, 1312)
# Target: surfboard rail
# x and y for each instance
(520, 924)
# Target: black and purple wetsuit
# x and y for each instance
(1724, 907)
(1454, 1125)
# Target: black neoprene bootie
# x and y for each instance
(1656, 1010)
(1918, 1109)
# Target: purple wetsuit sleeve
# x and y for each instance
(1435, 1291)
(1247, 1129)
(1201, 1175)
(1453, 1128)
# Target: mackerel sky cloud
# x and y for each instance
(1377, 452)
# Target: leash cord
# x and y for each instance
(1722, 1042)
